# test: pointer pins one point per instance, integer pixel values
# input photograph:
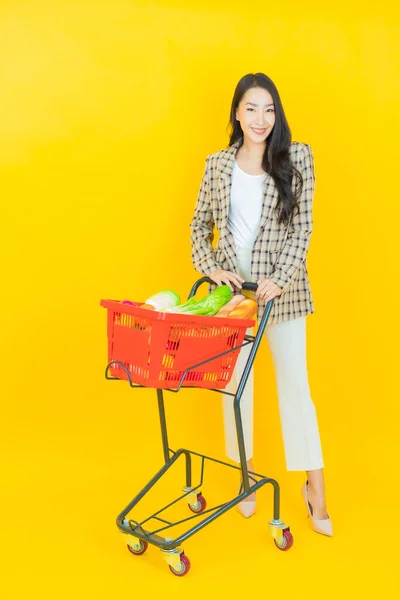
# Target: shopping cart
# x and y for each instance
(168, 351)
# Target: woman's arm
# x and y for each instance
(202, 229)
(295, 250)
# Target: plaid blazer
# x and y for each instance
(279, 251)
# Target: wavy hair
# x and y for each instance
(276, 159)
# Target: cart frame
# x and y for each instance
(138, 536)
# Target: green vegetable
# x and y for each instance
(208, 305)
(163, 300)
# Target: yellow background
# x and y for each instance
(107, 112)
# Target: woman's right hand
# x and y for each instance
(220, 277)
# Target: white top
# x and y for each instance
(245, 208)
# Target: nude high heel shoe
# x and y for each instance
(323, 526)
(247, 507)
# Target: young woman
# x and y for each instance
(258, 194)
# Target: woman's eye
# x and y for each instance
(268, 109)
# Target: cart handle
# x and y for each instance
(247, 285)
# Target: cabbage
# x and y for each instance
(164, 299)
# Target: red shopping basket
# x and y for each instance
(157, 348)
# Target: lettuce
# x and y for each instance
(208, 305)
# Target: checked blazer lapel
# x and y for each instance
(270, 200)
(225, 185)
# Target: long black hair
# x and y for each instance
(276, 159)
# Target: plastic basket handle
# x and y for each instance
(250, 286)
(247, 285)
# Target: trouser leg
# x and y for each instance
(302, 445)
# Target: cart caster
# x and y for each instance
(178, 562)
(285, 542)
(199, 505)
(281, 533)
(184, 567)
(138, 548)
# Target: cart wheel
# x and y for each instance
(198, 506)
(184, 568)
(142, 547)
(287, 541)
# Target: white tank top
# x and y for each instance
(245, 208)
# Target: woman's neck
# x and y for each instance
(250, 158)
(252, 150)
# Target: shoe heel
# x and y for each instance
(323, 526)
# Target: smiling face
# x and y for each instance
(256, 115)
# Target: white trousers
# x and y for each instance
(287, 342)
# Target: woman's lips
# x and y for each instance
(259, 131)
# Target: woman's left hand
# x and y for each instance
(267, 290)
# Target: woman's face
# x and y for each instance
(256, 114)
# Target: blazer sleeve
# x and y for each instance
(296, 247)
(202, 228)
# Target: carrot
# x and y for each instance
(147, 306)
(229, 306)
(245, 310)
